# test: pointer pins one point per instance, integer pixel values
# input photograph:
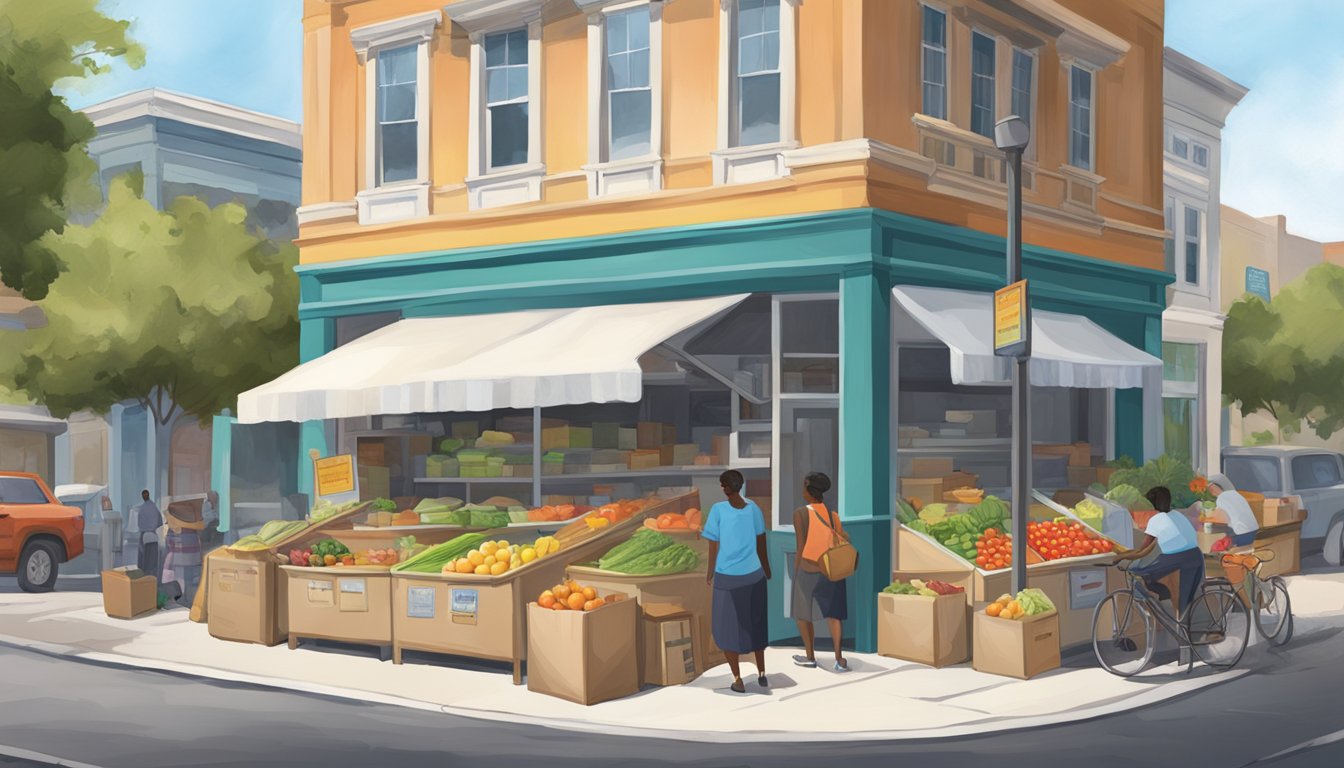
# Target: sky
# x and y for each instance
(1281, 148)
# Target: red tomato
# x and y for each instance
(1054, 554)
(981, 561)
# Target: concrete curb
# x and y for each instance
(41, 757)
(989, 725)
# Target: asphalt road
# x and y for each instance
(112, 716)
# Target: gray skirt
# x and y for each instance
(816, 597)
(739, 622)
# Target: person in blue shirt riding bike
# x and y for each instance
(1174, 537)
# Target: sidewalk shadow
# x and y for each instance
(720, 683)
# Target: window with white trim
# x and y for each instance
(756, 72)
(1081, 81)
(1201, 156)
(397, 127)
(627, 84)
(934, 67)
(1024, 65)
(507, 97)
(1192, 246)
(983, 52)
(1169, 219)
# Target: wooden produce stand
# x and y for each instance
(246, 598)
(1284, 540)
(1073, 584)
(485, 617)
(346, 605)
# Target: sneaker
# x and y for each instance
(803, 661)
(763, 682)
(738, 687)
(841, 666)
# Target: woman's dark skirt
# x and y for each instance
(739, 606)
(816, 597)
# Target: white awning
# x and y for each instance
(1066, 350)
(535, 358)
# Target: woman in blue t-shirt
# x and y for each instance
(1174, 537)
(738, 569)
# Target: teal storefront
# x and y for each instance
(825, 279)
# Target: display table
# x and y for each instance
(346, 605)
(484, 617)
(1284, 540)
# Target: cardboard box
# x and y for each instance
(627, 439)
(372, 453)
(583, 656)
(1082, 477)
(683, 454)
(931, 466)
(648, 435)
(976, 423)
(127, 593)
(374, 482)
(580, 437)
(668, 648)
(352, 605)
(704, 460)
(247, 601)
(1279, 511)
(606, 435)
(1021, 648)
(1257, 504)
(959, 480)
(929, 630)
(1078, 454)
(925, 490)
(466, 430)
(669, 434)
(554, 437)
(645, 459)
(720, 450)
(1104, 475)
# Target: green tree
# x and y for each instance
(1286, 357)
(179, 310)
(43, 159)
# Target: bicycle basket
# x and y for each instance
(1237, 566)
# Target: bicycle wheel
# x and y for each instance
(1273, 611)
(1122, 634)
(1219, 627)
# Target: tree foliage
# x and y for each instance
(43, 161)
(1286, 357)
(180, 310)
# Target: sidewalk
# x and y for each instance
(880, 699)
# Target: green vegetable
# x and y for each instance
(1165, 470)
(900, 588)
(1090, 512)
(489, 519)
(677, 558)
(933, 513)
(644, 541)
(385, 505)
(905, 513)
(443, 518)
(433, 559)
(1123, 462)
(518, 516)
(1034, 601)
(450, 445)
(443, 504)
(405, 542)
(1129, 497)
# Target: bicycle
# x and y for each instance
(1215, 627)
(1266, 599)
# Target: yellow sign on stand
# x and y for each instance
(1011, 320)
(335, 475)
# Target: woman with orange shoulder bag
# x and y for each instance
(815, 595)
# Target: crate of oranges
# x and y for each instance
(581, 644)
(573, 596)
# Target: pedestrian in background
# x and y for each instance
(816, 597)
(739, 566)
(182, 564)
(148, 518)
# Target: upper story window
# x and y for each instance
(398, 111)
(1169, 219)
(935, 63)
(629, 89)
(395, 55)
(1081, 116)
(756, 106)
(1193, 249)
(982, 84)
(1023, 76)
(1184, 148)
(507, 95)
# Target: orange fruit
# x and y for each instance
(547, 600)
(561, 592)
(575, 601)
(589, 605)
(993, 609)
(574, 586)
(589, 593)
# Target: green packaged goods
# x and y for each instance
(933, 513)
(441, 466)
(443, 518)
(433, 559)
(450, 445)
(384, 505)
(644, 541)
(492, 518)
(472, 456)
(518, 516)
(441, 504)
(324, 509)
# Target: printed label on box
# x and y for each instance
(320, 593)
(463, 606)
(420, 602)
(354, 586)
(1087, 586)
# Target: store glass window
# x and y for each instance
(1178, 427)
(935, 63)
(506, 85)
(1318, 471)
(1254, 473)
(1180, 362)
(1193, 250)
(1022, 78)
(810, 347)
(629, 92)
(1180, 399)
(398, 128)
(757, 72)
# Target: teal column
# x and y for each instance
(221, 466)
(316, 338)
(865, 497)
(1132, 436)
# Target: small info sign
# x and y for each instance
(1012, 318)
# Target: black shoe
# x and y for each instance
(761, 681)
(738, 687)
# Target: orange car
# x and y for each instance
(37, 532)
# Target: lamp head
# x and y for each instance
(1012, 134)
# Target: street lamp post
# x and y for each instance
(1011, 135)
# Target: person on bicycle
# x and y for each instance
(1178, 545)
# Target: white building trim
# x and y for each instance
(637, 175)
(193, 110)
(744, 164)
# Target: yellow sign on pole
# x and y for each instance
(335, 475)
(1010, 319)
